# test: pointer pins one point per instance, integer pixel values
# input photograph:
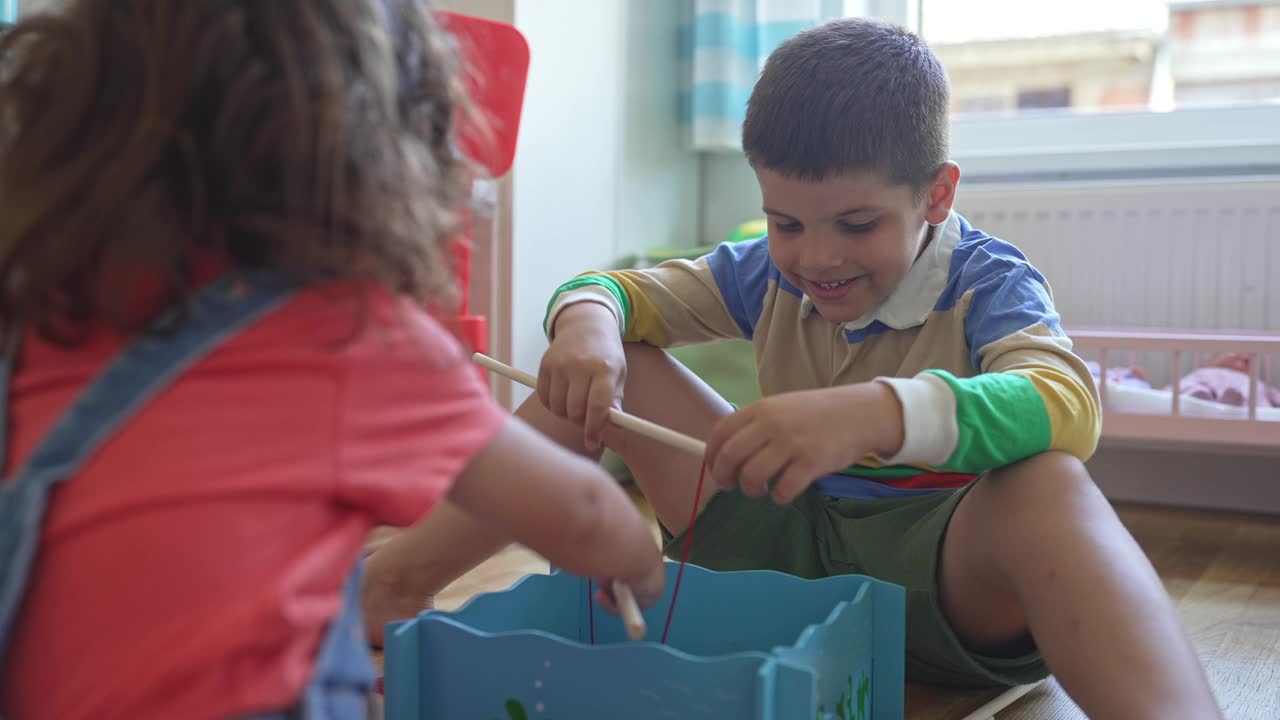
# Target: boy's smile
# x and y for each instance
(847, 241)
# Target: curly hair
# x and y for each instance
(315, 138)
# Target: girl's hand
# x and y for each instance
(646, 588)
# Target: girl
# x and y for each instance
(222, 221)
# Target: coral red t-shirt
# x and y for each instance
(190, 570)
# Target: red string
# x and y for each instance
(684, 552)
(684, 559)
(591, 611)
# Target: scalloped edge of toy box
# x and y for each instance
(457, 617)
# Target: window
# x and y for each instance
(1104, 55)
(976, 103)
(1107, 87)
(1059, 97)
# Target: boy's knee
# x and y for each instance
(1035, 506)
(1049, 466)
(1041, 482)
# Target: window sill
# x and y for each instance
(1062, 145)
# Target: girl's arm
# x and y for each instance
(562, 506)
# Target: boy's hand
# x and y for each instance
(795, 438)
(583, 372)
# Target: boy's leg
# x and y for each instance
(1035, 550)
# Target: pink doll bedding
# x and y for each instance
(1225, 380)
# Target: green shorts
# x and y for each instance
(892, 539)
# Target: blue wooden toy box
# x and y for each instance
(743, 645)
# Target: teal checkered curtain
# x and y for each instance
(724, 44)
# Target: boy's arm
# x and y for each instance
(678, 302)
(1033, 394)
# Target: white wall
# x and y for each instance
(501, 10)
(568, 157)
(658, 191)
(599, 170)
(730, 195)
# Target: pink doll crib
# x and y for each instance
(1246, 417)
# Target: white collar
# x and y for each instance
(913, 300)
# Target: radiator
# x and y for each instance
(1186, 254)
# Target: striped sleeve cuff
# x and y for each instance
(930, 432)
(586, 293)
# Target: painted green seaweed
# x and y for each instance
(845, 705)
(515, 710)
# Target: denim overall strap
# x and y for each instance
(143, 369)
(341, 682)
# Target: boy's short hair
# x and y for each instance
(851, 94)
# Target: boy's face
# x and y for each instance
(848, 240)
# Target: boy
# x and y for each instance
(924, 419)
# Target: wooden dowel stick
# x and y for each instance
(631, 617)
(641, 426)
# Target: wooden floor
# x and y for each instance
(1222, 570)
